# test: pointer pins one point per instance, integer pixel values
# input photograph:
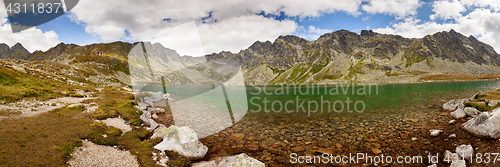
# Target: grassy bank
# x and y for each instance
(48, 139)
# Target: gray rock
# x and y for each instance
(465, 151)
(184, 141)
(452, 105)
(458, 114)
(470, 111)
(484, 125)
(493, 103)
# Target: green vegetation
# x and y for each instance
(48, 139)
(275, 70)
(391, 73)
(114, 103)
(16, 85)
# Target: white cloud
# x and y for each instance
(399, 8)
(311, 33)
(32, 39)
(447, 9)
(238, 33)
(481, 22)
(232, 25)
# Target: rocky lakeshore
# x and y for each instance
(272, 138)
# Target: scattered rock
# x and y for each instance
(298, 149)
(435, 132)
(184, 141)
(237, 137)
(470, 111)
(325, 151)
(433, 165)
(484, 125)
(404, 135)
(465, 151)
(376, 151)
(159, 132)
(452, 136)
(251, 147)
(452, 121)
(458, 114)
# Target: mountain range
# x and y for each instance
(337, 57)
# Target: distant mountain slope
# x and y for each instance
(344, 56)
(336, 57)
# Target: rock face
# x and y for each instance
(484, 125)
(184, 141)
(237, 160)
(465, 151)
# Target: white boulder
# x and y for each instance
(493, 103)
(458, 114)
(184, 141)
(484, 125)
(452, 121)
(452, 105)
(465, 151)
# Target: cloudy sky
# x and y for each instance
(232, 25)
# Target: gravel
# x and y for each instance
(91, 154)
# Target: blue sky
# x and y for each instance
(232, 26)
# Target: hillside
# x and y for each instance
(337, 57)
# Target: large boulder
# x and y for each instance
(184, 141)
(484, 125)
(452, 105)
(458, 114)
(471, 111)
(237, 160)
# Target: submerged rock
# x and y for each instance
(465, 151)
(237, 160)
(458, 114)
(449, 157)
(458, 163)
(435, 132)
(184, 141)
(484, 125)
(452, 105)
